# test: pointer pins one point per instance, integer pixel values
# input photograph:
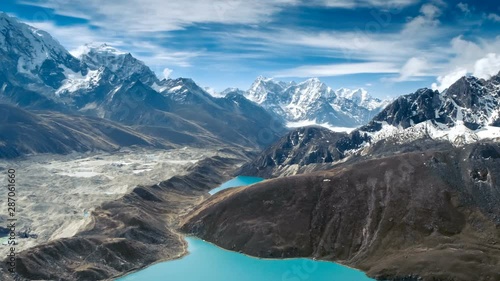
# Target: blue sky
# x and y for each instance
(388, 47)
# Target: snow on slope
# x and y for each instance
(466, 112)
(314, 122)
(313, 100)
(32, 45)
(123, 64)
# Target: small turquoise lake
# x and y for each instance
(207, 262)
(238, 181)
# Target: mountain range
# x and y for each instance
(37, 73)
(467, 112)
(411, 193)
(312, 100)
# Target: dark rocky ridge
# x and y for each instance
(126, 234)
(23, 132)
(302, 146)
(429, 215)
(314, 148)
(469, 100)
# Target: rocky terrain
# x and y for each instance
(468, 111)
(299, 148)
(426, 120)
(413, 216)
(128, 233)
(59, 192)
(309, 149)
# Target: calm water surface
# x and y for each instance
(238, 181)
(207, 262)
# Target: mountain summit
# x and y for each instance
(312, 100)
(28, 54)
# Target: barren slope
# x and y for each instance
(431, 215)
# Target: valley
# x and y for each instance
(116, 166)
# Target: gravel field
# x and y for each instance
(55, 193)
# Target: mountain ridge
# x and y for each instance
(314, 100)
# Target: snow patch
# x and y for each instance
(314, 123)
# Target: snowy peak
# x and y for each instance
(358, 95)
(314, 101)
(32, 53)
(306, 97)
(468, 111)
(314, 87)
(103, 49)
(184, 90)
(31, 44)
(265, 90)
(123, 64)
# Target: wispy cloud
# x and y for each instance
(493, 17)
(351, 4)
(159, 15)
(464, 7)
(413, 68)
(338, 69)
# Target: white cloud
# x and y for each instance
(493, 17)
(445, 81)
(159, 15)
(72, 37)
(167, 72)
(487, 66)
(430, 10)
(480, 59)
(464, 7)
(350, 4)
(412, 68)
(426, 21)
(464, 53)
(338, 69)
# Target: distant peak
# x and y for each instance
(102, 48)
(313, 80)
(4, 15)
(263, 78)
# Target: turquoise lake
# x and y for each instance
(238, 181)
(207, 262)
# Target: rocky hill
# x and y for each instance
(413, 216)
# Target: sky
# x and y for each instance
(388, 47)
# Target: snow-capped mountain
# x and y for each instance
(468, 111)
(122, 64)
(312, 100)
(36, 72)
(28, 55)
(426, 120)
